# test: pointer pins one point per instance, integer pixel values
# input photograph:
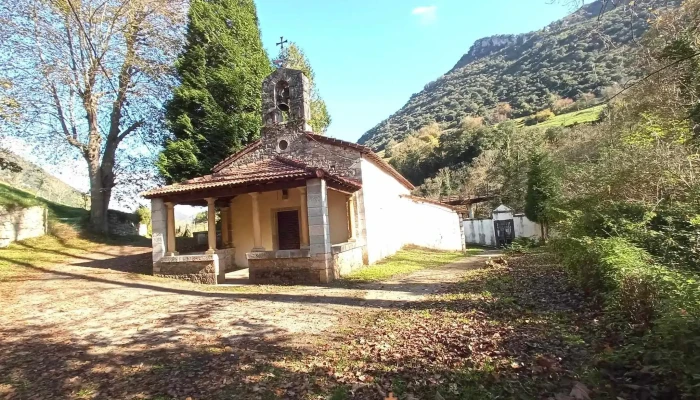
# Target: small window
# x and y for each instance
(282, 145)
(285, 194)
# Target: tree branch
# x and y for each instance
(136, 125)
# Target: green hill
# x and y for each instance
(577, 58)
(11, 197)
(66, 239)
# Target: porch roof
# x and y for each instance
(256, 174)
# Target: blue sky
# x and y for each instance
(370, 56)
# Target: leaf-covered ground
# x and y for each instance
(511, 330)
(505, 331)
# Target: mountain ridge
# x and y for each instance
(580, 54)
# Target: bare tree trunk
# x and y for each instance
(98, 201)
(543, 231)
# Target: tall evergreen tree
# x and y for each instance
(294, 57)
(543, 191)
(216, 108)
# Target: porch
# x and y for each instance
(300, 229)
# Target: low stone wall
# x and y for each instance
(202, 269)
(20, 224)
(123, 224)
(227, 262)
(347, 257)
(287, 267)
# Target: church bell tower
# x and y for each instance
(287, 100)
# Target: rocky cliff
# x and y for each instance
(489, 45)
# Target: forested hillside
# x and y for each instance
(576, 59)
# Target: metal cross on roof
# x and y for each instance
(281, 43)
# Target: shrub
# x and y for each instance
(544, 115)
(660, 303)
(522, 245)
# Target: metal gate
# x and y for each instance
(505, 232)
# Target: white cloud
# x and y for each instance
(426, 14)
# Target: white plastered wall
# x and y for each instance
(479, 231)
(393, 220)
(431, 225)
(526, 228)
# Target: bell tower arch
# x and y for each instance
(287, 100)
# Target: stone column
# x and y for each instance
(319, 229)
(158, 230)
(304, 219)
(257, 235)
(171, 251)
(224, 228)
(351, 219)
(211, 230)
(230, 223)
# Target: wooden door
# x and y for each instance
(288, 230)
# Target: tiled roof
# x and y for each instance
(364, 150)
(268, 170)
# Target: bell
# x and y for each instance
(283, 106)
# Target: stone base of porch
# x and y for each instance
(299, 267)
(286, 267)
(208, 269)
(347, 257)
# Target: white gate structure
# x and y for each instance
(482, 231)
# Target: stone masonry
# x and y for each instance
(291, 88)
(319, 229)
(158, 229)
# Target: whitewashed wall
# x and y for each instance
(431, 225)
(526, 228)
(383, 208)
(394, 220)
(481, 231)
(20, 224)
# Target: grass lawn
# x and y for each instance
(405, 261)
(66, 239)
(576, 117)
(11, 197)
(19, 258)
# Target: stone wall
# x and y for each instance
(123, 224)
(284, 271)
(347, 257)
(21, 223)
(39, 182)
(202, 269)
(342, 161)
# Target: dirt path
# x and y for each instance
(94, 301)
(91, 307)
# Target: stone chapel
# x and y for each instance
(295, 206)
